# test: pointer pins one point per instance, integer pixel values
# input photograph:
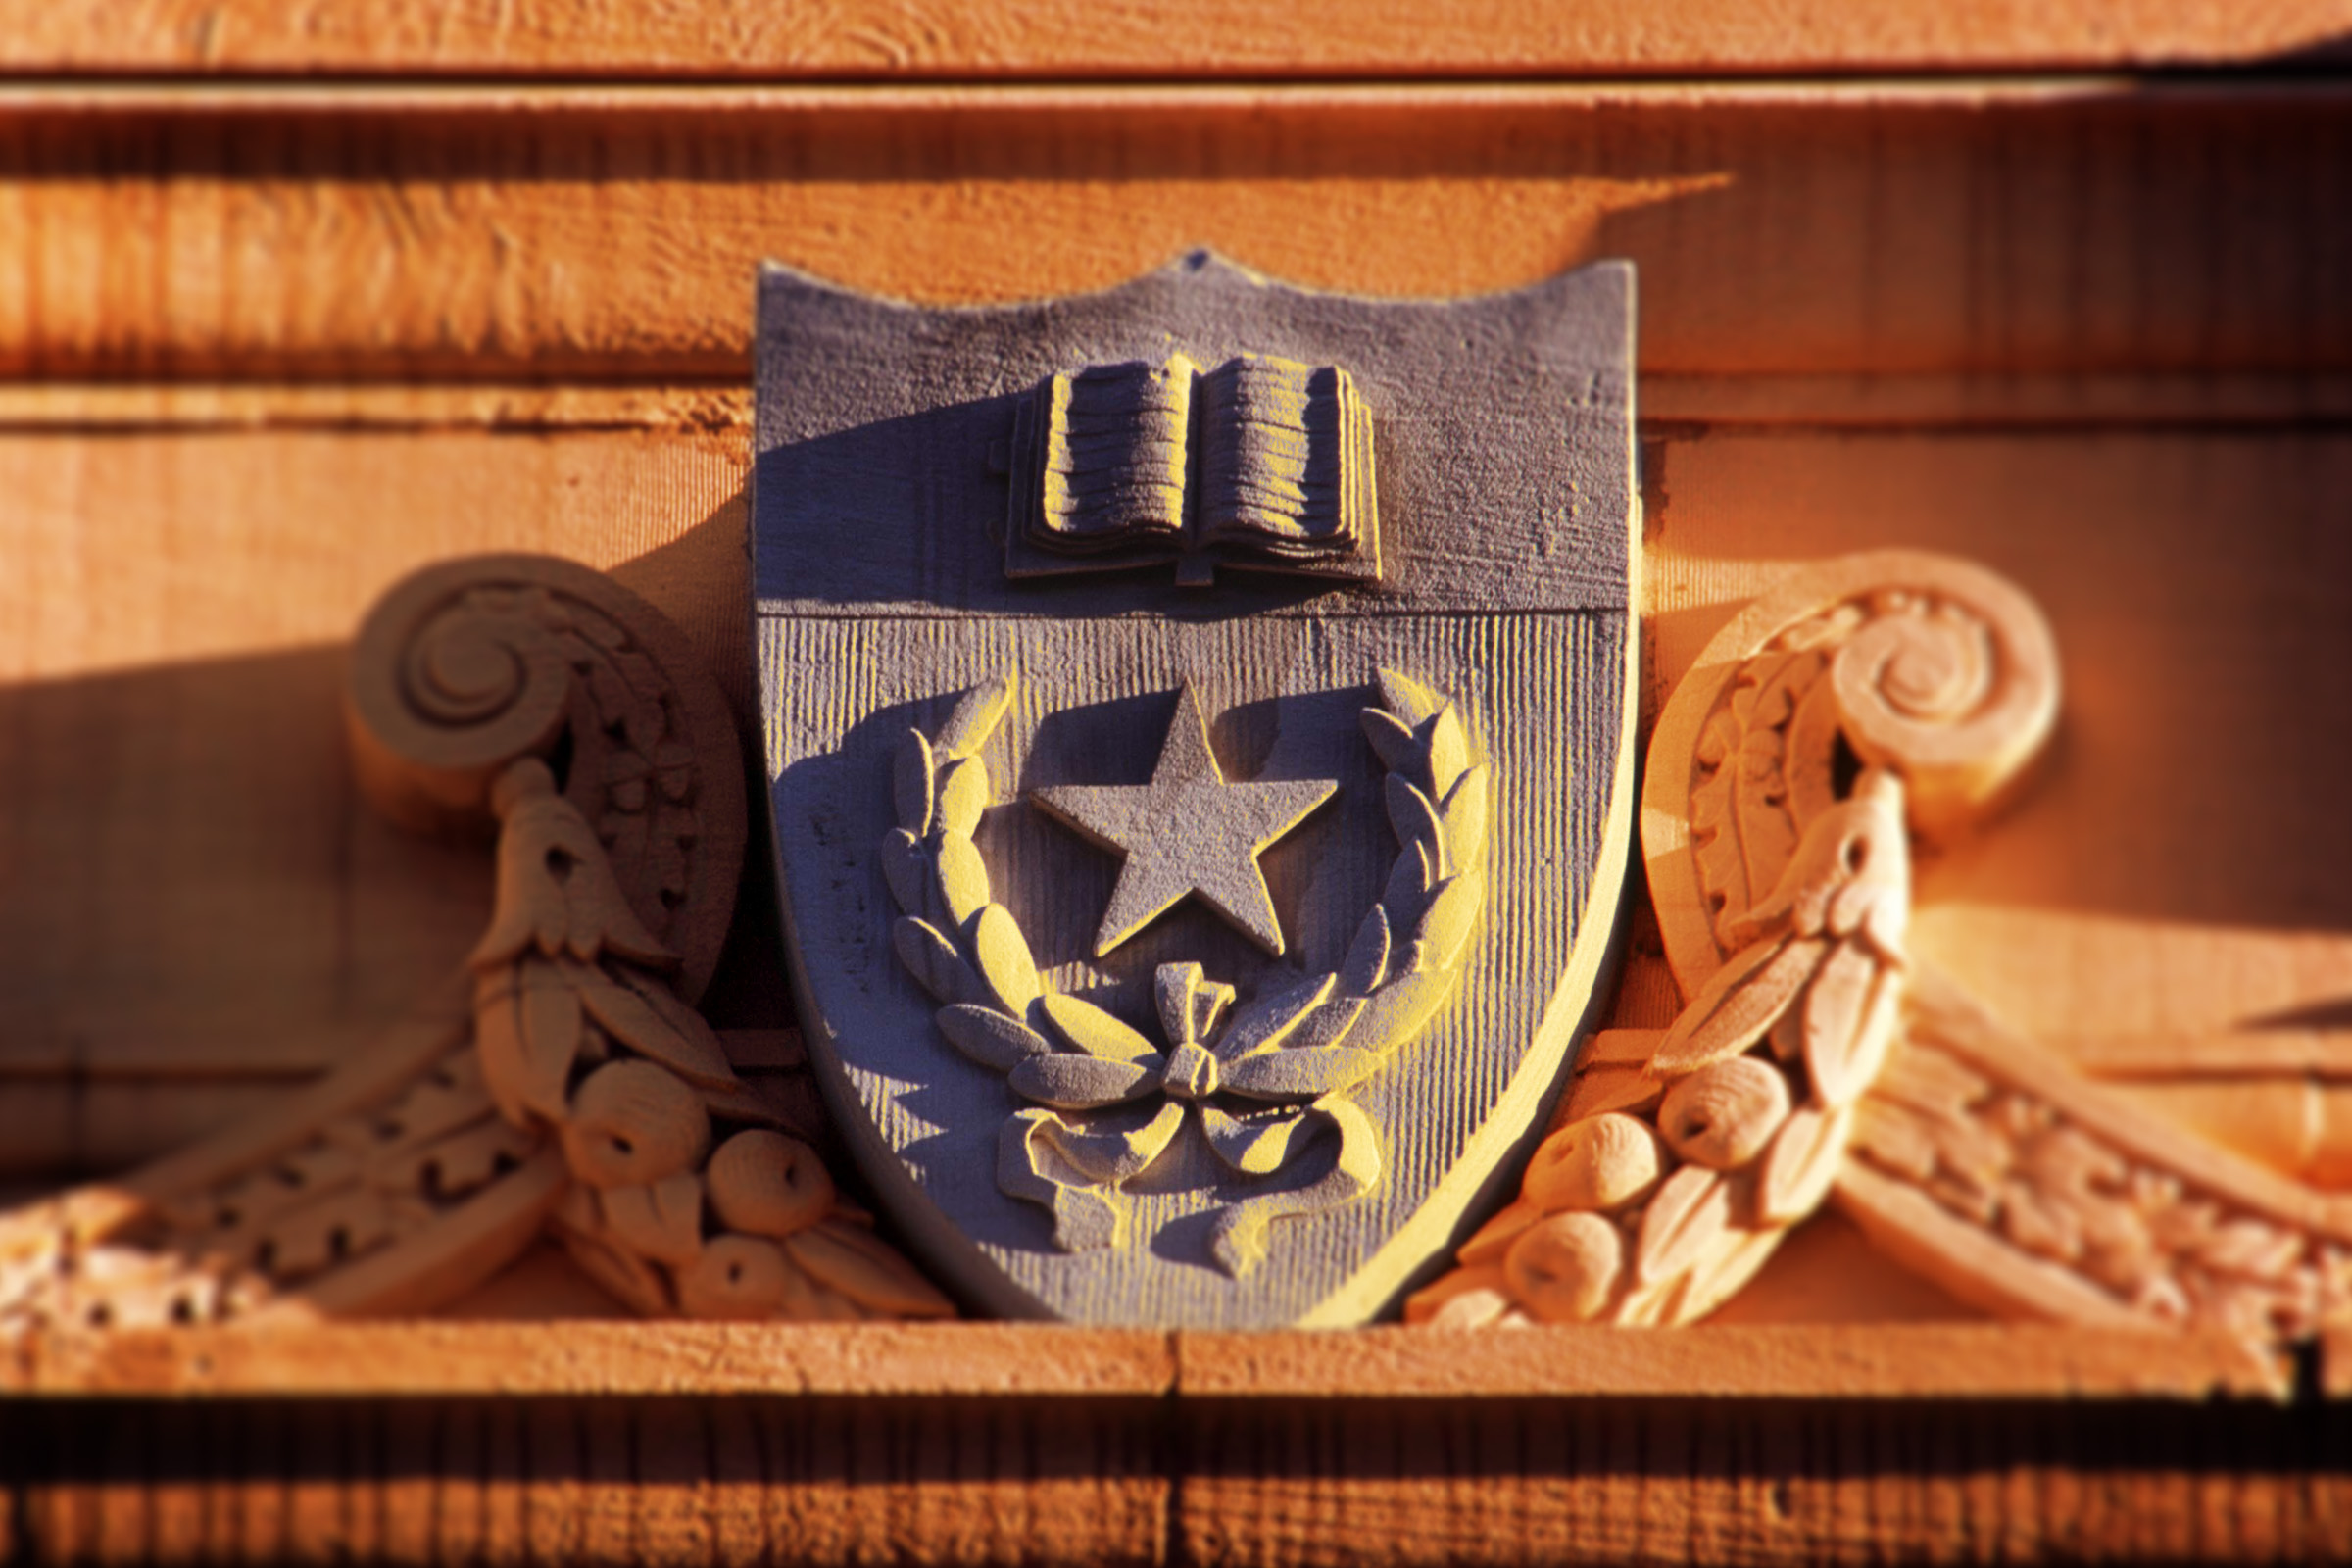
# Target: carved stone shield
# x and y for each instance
(1199, 723)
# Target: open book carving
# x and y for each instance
(1260, 463)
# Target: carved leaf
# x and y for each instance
(527, 1028)
(908, 871)
(629, 1277)
(1005, 965)
(1482, 1306)
(866, 1270)
(1689, 1213)
(1407, 892)
(1465, 820)
(1269, 1021)
(1097, 1033)
(1367, 960)
(977, 714)
(1391, 741)
(1448, 751)
(1252, 1147)
(962, 795)
(989, 1038)
(1848, 1022)
(1496, 1235)
(806, 1299)
(1083, 1083)
(1599, 1091)
(962, 877)
(1300, 1075)
(1401, 1008)
(1328, 1024)
(1408, 699)
(663, 1221)
(1430, 1306)
(1452, 915)
(934, 962)
(649, 1018)
(1731, 1010)
(910, 777)
(1801, 1164)
(1415, 821)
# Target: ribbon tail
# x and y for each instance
(1074, 1174)
(1239, 1242)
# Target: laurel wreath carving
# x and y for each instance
(1284, 1062)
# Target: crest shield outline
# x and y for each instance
(1499, 599)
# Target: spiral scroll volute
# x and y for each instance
(455, 674)
(1951, 680)
(468, 666)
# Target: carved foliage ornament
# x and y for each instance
(565, 1082)
(1862, 701)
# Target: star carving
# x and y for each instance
(1188, 831)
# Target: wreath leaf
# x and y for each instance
(1448, 751)
(1097, 1033)
(1408, 887)
(1004, 962)
(1301, 1073)
(1392, 739)
(962, 795)
(1465, 820)
(934, 962)
(962, 877)
(976, 715)
(1269, 1021)
(989, 1038)
(1408, 699)
(1068, 1082)
(1416, 821)
(908, 871)
(1401, 1008)
(910, 783)
(1451, 917)
(1367, 960)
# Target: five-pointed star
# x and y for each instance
(1187, 831)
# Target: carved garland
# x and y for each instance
(1687, 1154)
(574, 1086)
(1300, 1047)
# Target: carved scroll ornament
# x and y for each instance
(1863, 702)
(565, 1083)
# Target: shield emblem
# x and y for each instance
(1199, 726)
